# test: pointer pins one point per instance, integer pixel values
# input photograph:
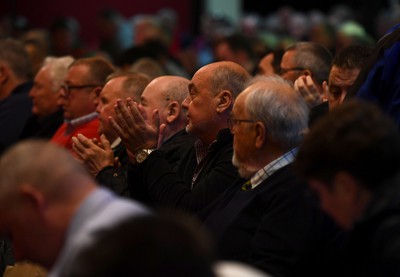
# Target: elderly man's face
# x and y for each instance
(154, 98)
(242, 127)
(200, 105)
(105, 107)
(42, 93)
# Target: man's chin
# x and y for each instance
(243, 172)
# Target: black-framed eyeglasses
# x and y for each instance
(66, 89)
(286, 70)
(232, 122)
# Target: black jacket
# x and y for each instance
(276, 227)
(374, 244)
(155, 183)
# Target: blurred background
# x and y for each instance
(189, 29)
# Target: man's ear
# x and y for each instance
(3, 73)
(350, 189)
(173, 111)
(32, 197)
(97, 91)
(224, 101)
(261, 134)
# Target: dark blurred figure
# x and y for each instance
(236, 48)
(149, 246)
(379, 81)
(64, 38)
(37, 44)
(114, 35)
(15, 83)
(351, 158)
(270, 64)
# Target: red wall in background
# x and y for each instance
(41, 13)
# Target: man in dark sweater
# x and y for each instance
(206, 169)
(15, 83)
(268, 221)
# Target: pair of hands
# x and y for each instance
(134, 129)
(95, 154)
(312, 94)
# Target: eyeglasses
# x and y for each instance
(286, 70)
(66, 89)
(232, 122)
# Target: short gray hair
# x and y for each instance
(57, 70)
(13, 53)
(314, 57)
(273, 101)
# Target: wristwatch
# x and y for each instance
(142, 154)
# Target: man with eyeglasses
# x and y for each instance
(345, 69)
(78, 98)
(107, 159)
(268, 221)
(306, 61)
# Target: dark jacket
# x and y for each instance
(379, 80)
(155, 183)
(14, 113)
(116, 178)
(374, 244)
(276, 227)
(43, 127)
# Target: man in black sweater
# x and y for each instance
(268, 221)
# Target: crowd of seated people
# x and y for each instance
(96, 149)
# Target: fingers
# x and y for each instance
(104, 141)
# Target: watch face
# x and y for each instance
(141, 155)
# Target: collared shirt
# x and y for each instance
(72, 124)
(201, 153)
(272, 167)
(115, 143)
(201, 150)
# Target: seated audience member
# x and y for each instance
(47, 115)
(149, 246)
(166, 95)
(268, 221)
(51, 208)
(270, 64)
(236, 48)
(378, 81)
(308, 60)
(15, 83)
(350, 159)
(346, 66)
(83, 83)
(148, 66)
(206, 169)
(100, 159)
